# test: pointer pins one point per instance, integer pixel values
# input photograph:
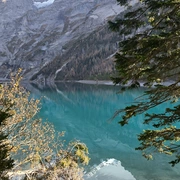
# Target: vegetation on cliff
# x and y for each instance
(88, 57)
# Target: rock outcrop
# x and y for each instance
(57, 39)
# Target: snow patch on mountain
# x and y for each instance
(43, 4)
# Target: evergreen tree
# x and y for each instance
(6, 163)
(150, 52)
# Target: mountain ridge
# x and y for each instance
(34, 38)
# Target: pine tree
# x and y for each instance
(150, 53)
(6, 163)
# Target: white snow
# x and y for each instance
(43, 4)
(94, 16)
(61, 68)
(110, 169)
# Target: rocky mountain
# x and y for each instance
(57, 39)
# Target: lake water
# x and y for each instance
(83, 111)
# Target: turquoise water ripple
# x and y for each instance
(83, 111)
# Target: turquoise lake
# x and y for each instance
(84, 111)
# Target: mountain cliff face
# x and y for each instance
(57, 39)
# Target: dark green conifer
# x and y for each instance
(6, 163)
(150, 52)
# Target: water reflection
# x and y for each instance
(83, 112)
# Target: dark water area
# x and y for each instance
(84, 111)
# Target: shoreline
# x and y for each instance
(108, 82)
(98, 82)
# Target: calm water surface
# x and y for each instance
(83, 111)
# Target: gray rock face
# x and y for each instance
(36, 33)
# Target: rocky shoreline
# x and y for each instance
(103, 82)
(107, 82)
